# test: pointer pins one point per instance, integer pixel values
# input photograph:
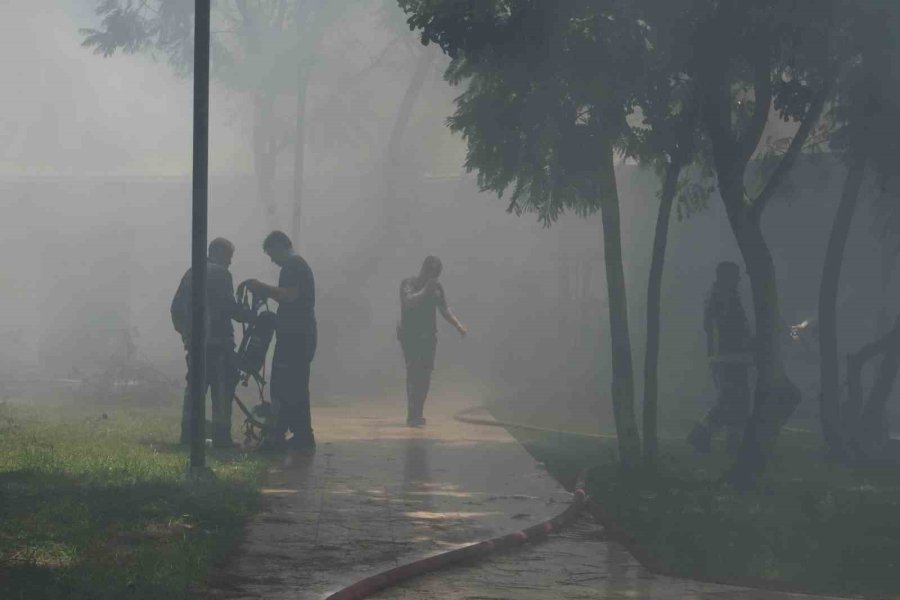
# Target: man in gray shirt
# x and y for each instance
(420, 298)
(221, 309)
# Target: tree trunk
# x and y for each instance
(859, 419)
(654, 292)
(299, 147)
(393, 209)
(264, 157)
(389, 227)
(775, 397)
(873, 430)
(622, 370)
(828, 290)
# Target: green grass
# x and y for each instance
(94, 507)
(811, 527)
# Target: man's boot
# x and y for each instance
(272, 444)
(305, 442)
(222, 436)
(414, 411)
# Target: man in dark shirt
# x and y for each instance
(221, 308)
(295, 344)
(420, 297)
(728, 348)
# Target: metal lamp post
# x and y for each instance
(200, 192)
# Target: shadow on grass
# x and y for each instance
(112, 535)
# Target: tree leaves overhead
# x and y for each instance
(254, 43)
(132, 27)
(548, 89)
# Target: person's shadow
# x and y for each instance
(417, 485)
(416, 472)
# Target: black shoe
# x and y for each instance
(302, 442)
(416, 422)
(272, 446)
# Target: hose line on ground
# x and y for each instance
(370, 585)
(617, 532)
(463, 417)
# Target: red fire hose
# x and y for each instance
(370, 585)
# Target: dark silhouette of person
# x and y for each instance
(296, 338)
(728, 345)
(420, 297)
(221, 369)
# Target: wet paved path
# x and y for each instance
(378, 494)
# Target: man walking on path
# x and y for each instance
(728, 348)
(420, 297)
(295, 344)
(221, 370)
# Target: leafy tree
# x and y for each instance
(866, 117)
(549, 87)
(668, 138)
(390, 234)
(747, 59)
(254, 43)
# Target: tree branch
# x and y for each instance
(762, 91)
(244, 10)
(796, 147)
(280, 21)
(716, 114)
(348, 83)
(879, 346)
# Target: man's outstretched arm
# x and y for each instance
(450, 317)
(278, 294)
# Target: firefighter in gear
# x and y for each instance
(420, 297)
(221, 370)
(728, 344)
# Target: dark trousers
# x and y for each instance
(732, 408)
(221, 379)
(419, 354)
(289, 383)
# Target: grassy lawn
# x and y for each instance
(95, 506)
(810, 527)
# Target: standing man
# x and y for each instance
(728, 345)
(295, 344)
(420, 296)
(221, 371)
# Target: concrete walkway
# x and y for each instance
(378, 494)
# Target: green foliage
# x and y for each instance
(95, 507)
(823, 530)
(255, 44)
(867, 111)
(548, 89)
(693, 195)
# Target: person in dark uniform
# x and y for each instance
(728, 345)
(295, 344)
(420, 297)
(221, 309)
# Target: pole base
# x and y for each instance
(199, 474)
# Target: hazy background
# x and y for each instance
(95, 231)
